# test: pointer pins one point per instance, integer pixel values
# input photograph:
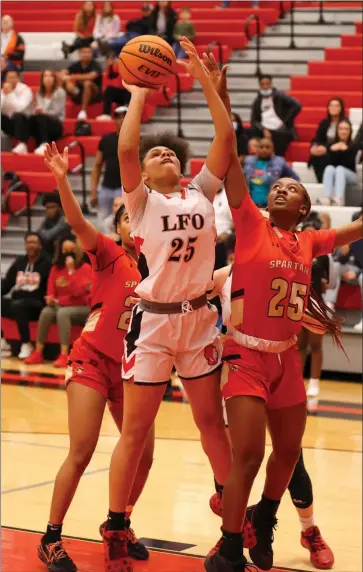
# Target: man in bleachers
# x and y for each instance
(83, 81)
(16, 106)
(26, 281)
(273, 113)
(54, 224)
(12, 47)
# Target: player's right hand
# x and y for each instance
(218, 77)
(136, 89)
(56, 163)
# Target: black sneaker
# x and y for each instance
(262, 530)
(136, 549)
(55, 557)
(217, 563)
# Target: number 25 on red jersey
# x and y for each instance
(296, 296)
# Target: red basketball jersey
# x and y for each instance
(272, 274)
(114, 279)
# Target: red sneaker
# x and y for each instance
(61, 361)
(216, 504)
(321, 555)
(34, 358)
(115, 551)
(215, 548)
(248, 530)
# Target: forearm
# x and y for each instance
(349, 233)
(129, 138)
(220, 115)
(71, 208)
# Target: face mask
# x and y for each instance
(266, 92)
(65, 255)
(235, 125)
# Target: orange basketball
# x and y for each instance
(147, 61)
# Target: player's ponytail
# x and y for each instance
(329, 321)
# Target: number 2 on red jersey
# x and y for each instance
(125, 317)
(296, 304)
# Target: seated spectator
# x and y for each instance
(12, 47)
(137, 27)
(241, 136)
(50, 111)
(54, 224)
(325, 135)
(184, 27)
(16, 106)
(67, 300)
(107, 27)
(26, 281)
(253, 144)
(106, 156)
(341, 168)
(110, 220)
(112, 93)
(263, 170)
(358, 141)
(273, 113)
(83, 81)
(84, 23)
(163, 19)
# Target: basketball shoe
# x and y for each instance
(216, 504)
(258, 536)
(55, 557)
(321, 555)
(135, 549)
(215, 562)
(115, 551)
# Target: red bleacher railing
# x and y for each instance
(258, 36)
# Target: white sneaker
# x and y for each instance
(82, 115)
(40, 150)
(5, 348)
(21, 149)
(325, 201)
(313, 388)
(104, 118)
(25, 350)
(338, 203)
(358, 327)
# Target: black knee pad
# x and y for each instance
(300, 487)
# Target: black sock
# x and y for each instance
(53, 534)
(232, 546)
(267, 508)
(115, 520)
(219, 488)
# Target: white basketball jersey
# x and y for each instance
(175, 239)
(225, 299)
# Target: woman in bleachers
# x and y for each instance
(107, 27)
(163, 20)
(67, 299)
(325, 136)
(46, 124)
(84, 23)
(341, 167)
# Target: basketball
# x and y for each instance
(147, 61)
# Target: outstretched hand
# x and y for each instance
(194, 66)
(56, 163)
(218, 77)
(136, 89)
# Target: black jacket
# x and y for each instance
(320, 137)
(319, 270)
(286, 108)
(171, 18)
(27, 280)
(142, 26)
(344, 158)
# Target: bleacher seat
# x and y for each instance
(10, 331)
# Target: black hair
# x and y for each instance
(264, 76)
(120, 211)
(342, 107)
(171, 141)
(14, 70)
(185, 9)
(344, 120)
(51, 198)
(312, 221)
(59, 256)
(31, 233)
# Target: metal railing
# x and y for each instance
(178, 104)
(76, 143)
(220, 51)
(321, 12)
(292, 27)
(258, 39)
(20, 186)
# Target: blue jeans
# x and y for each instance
(336, 179)
(105, 200)
(116, 44)
(179, 51)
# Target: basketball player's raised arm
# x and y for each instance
(82, 228)
(349, 233)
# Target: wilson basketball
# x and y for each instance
(147, 61)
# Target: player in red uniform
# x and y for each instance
(93, 372)
(270, 290)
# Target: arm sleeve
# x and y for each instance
(320, 135)
(322, 241)
(294, 107)
(106, 252)
(50, 233)
(247, 218)
(206, 183)
(24, 100)
(136, 203)
(51, 290)
(9, 281)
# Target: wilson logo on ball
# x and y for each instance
(155, 52)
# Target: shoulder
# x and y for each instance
(250, 160)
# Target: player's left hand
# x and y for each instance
(56, 163)
(195, 65)
(218, 76)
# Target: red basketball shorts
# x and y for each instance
(275, 378)
(90, 368)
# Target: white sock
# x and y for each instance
(306, 522)
(314, 380)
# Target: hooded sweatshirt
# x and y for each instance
(27, 280)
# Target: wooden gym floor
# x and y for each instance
(173, 513)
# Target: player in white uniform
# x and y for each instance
(173, 324)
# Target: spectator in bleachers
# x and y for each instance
(263, 170)
(136, 27)
(54, 224)
(325, 136)
(341, 167)
(12, 47)
(113, 93)
(83, 81)
(84, 23)
(106, 156)
(67, 299)
(26, 281)
(110, 220)
(163, 19)
(253, 144)
(358, 141)
(273, 113)
(16, 106)
(46, 124)
(183, 27)
(107, 27)
(241, 136)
